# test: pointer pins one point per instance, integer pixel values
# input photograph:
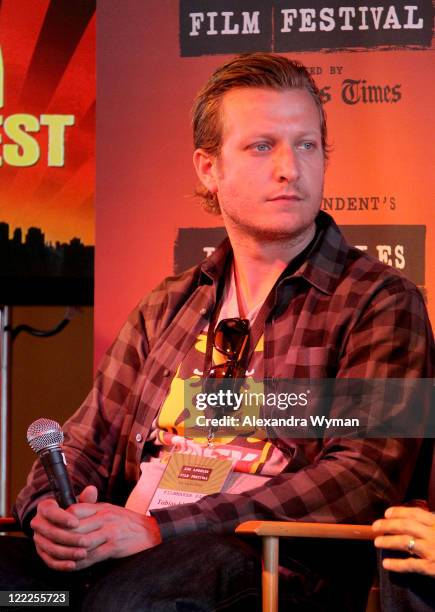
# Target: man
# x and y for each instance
(325, 310)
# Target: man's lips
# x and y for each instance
(291, 197)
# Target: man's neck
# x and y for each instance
(257, 265)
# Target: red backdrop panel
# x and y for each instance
(144, 172)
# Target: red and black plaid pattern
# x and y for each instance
(342, 314)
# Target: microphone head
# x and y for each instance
(43, 434)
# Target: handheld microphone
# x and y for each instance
(45, 438)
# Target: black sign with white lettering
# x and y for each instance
(399, 246)
(210, 27)
(304, 26)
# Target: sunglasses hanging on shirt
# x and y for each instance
(230, 339)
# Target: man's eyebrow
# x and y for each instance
(310, 134)
(263, 135)
(259, 134)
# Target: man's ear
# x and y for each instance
(205, 166)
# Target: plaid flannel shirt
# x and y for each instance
(342, 314)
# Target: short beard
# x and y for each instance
(268, 236)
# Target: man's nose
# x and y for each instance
(286, 164)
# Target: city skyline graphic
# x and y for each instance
(36, 271)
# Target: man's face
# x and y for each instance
(269, 174)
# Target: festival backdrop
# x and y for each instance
(374, 64)
(47, 151)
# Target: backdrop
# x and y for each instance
(374, 64)
(47, 154)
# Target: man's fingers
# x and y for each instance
(89, 495)
(400, 526)
(58, 551)
(411, 564)
(93, 540)
(57, 534)
(50, 510)
(56, 564)
(88, 524)
(411, 512)
(87, 536)
(420, 547)
(399, 542)
(82, 510)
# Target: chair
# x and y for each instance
(422, 488)
(8, 524)
(271, 531)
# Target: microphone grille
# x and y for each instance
(43, 434)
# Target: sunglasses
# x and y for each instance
(229, 339)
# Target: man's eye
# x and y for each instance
(307, 146)
(262, 147)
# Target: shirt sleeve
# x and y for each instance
(350, 480)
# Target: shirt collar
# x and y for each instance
(212, 268)
(324, 265)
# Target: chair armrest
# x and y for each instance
(294, 529)
(8, 523)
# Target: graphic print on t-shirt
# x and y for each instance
(250, 454)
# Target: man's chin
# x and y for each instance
(283, 232)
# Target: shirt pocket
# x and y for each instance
(310, 362)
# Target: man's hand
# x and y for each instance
(412, 530)
(88, 532)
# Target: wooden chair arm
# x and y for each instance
(294, 529)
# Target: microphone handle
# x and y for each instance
(54, 464)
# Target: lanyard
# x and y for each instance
(256, 330)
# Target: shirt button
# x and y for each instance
(203, 311)
(166, 372)
(138, 437)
